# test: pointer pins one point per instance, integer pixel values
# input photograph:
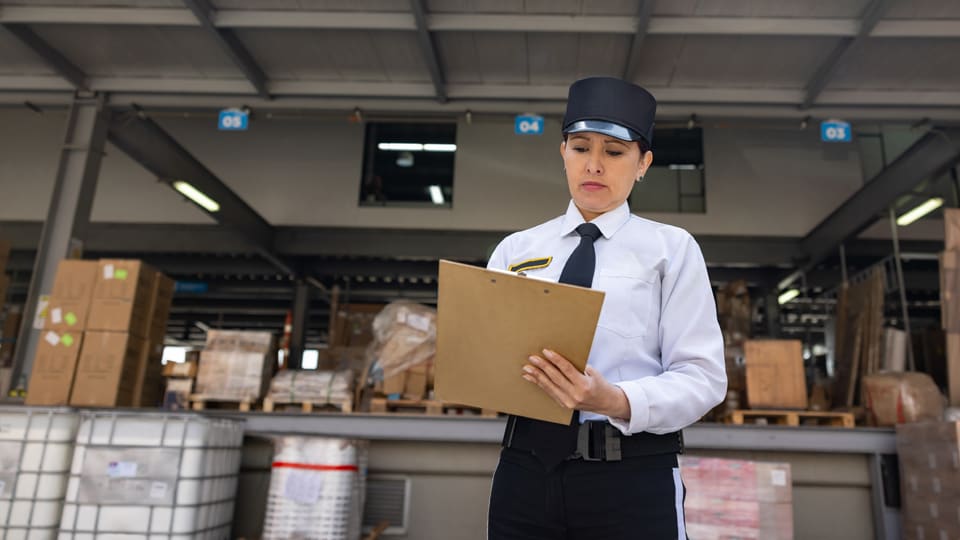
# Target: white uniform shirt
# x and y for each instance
(658, 337)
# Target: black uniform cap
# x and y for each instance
(610, 106)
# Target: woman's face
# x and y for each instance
(601, 170)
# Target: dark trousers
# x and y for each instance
(635, 499)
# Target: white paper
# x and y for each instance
(122, 469)
(108, 271)
(158, 490)
(778, 478)
(303, 486)
(419, 322)
(401, 316)
(52, 338)
(56, 315)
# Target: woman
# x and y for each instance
(656, 364)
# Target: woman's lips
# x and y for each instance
(592, 186)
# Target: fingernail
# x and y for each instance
(534, 359)
(548, 352)
(528, 369)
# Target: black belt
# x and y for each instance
(600, 441)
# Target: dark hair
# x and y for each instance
(642, 143)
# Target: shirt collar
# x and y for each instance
(608, 223)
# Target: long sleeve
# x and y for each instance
(694, 377)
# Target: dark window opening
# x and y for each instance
(408, 164)
(675, 181)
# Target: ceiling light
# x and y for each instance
(788, 296)
(400, 146)
(440, 147)
(197, 196)
(437, 195)
(919, 211)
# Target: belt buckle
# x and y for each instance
(584, 439)
(610, 447)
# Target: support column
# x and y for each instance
(298, 337)
(68, 216)
(773, 314)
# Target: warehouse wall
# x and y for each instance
(760, 180)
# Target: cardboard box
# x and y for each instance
(729, 498)
(236, 365)
(951, 223)
(148, 382)
(897, 398)
(106, 372)
(161, 300)
(125, 316)
(75, 280)
(180, 370)
(123, 279)
(775, 377)
(353, 325)
(415, 383)
(929, 455)
(52, 375)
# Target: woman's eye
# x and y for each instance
(614, 153)
(580, 149)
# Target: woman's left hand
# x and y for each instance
(574, 390)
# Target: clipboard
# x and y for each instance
(489, 322)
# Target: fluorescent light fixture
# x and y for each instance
(788, 296)
(437, 195)
(196, 196)
(440, 147)
(683, 167)
(400, 146)
(919, 211)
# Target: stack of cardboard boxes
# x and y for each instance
(729, 498)
(736, 318)
(950, 301)
(235, 366)
(103, 336)
(179, 381)
(929, 455)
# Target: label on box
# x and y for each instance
(70, 318)
(67, 340)
(913, 482)
(52, 338)
(932, 460)
(936, 485)
(402, 317)
(122, 469)
(934, 510)
(56, 315)
(778, 478)
(121, 273)
(108, 271)
(419, 322)
(43, 306)
(158, 490)
(303, 486)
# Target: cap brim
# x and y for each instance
(607, 128)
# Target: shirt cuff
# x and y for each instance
(639, 409)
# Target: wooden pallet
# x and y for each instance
(426, 406)
(199, 402)
(270, 405)
(791, 418)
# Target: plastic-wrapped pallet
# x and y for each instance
(36, 447)
(143, 476)
(235, 365)
(317, 486)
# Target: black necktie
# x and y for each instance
(552, 443)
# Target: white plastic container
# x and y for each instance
(317, 487)
(152, 475)
(36, 448)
